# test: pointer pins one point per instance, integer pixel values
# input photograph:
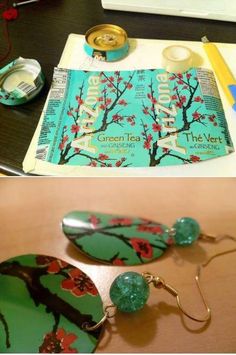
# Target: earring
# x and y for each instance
(122, 240)
(50, 306)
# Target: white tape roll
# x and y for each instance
(177, 59)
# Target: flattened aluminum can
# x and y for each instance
(20, 81)
(106, 42)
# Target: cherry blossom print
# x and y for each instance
(58, 342)
(118, 262)
(79, 100)
(156, 127)
(103, 157)
(142, 247)
(75, 128)
(194, 158)
(54, 265)
(94, 220)
(122, 102)
(79, 284)
(156, 229)
(121, 221)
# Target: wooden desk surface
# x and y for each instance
(31, 210)
(41, 31)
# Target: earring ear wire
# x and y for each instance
(159, 282)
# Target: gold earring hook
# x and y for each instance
(216, 238)
(160, 283)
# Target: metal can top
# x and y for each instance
(20, 81)
(106, 37)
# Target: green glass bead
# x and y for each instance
(187, 231)
(129, 292)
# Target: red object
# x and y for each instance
(142, 246)
(10, 14)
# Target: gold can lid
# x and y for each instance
(106, 37)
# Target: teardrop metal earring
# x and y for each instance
(67, 305)
(122, 240)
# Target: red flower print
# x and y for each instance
(153, 100)
(117, 118)
(102, 107)
(174, 97)
(122, 102)
(79, 100)
(119, 79)
(183, 98)
(194, 158)
(93, 163)
(117, 72)
(147, 145)
(79, 284)
(156, 127)
(69, 113)
(75, 128)
(212, 118)
(58, 342)
(111, 78)
(94, 220)
(198, 99)
(129, 86)
(103, 81)
(65, 139)
(142, 246)
(150, 229)
(118, 262)
(103, 156)
(165, 150)
(100, 98)
(61, 146)
(54, 265)
(121, 221)
(188, 75)
(130, 119)
(108, 101)
(145, 110)
(196, 115)
(77, 150)
(179, 104)
(172, 77)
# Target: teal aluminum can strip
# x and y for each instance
(20, 81)
(106, 43)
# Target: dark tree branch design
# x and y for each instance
(117, 88)
(109, 232)
(156, 154)
(42, 295)
(5, 326)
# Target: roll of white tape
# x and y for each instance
(177, 59)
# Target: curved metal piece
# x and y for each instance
(107, 315)
(91, 328)
(216, 238)
(158, 282)
(207, 316)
